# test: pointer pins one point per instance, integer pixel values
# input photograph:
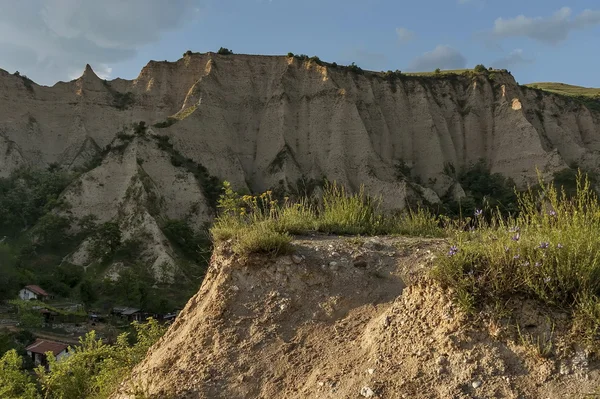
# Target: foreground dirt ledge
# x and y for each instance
(345, 318)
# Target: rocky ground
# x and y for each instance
(351, 318)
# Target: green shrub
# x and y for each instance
(106, 241)
(480, 68)
(355, 69)
(224, 51)
(187, 53)
(345, 213)
(193, 245)
(28, 83)
(15, 383)
(94, 369)
(246, 219)
(437, 71)
(550, 252)
(290, 54)
(122, 101)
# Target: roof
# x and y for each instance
(36, 290)
(42, 346)
(126, 311)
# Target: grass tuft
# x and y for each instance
(262, 224)
(550, 252)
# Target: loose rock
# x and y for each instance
(476, 384)
(297, 259)
(367, 392)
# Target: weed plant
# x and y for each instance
(550, 252)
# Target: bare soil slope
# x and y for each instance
(349, 318)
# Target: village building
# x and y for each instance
(32, 292)
(37, 351)
(131, 314)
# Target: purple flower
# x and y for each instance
(453, 250)
(516, 237)
(559, 245)
(552, 213)
(526, 264)
(517, 256)
(478, 212)
(544, 245)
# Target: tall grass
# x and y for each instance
(550, 252)
(262, 224)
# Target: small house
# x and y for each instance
(31, 292)
(37, 351)
(131, 314)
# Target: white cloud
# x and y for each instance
(443, 57)
(405, 35)
(512, 59)
(552, 30)
(51, 39)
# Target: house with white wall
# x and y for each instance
(30, 292)
(39, 349)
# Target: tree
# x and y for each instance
(87, 293)
(94, 369)
(480, 68)
(224, 51)
(15, 383)
(437, 71)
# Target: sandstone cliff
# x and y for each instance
(265, 121)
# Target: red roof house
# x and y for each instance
(37, 351)
(32, 292)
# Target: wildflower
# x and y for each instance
(516, 237)
(537, 264)
(547, 280)
(517, 256)
(453, 250)
(552, 213)
(514, 229)
(478, 212)
(526, 264)
(559, 245)
(544, 245)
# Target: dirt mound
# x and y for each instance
(347, 318)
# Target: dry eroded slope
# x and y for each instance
(343, 317)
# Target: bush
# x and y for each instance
(290, 54)
(437, 71)
(550, 253)
(355, 69)
(187, 53)
(95, 369)
(15, 383)
(224, 51)
(480, 68)
(263, 224)
(345, 213)
(106, 241)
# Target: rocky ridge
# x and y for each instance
(264, 122)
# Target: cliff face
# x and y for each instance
(261, 121)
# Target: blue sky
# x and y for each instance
(538, 40)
